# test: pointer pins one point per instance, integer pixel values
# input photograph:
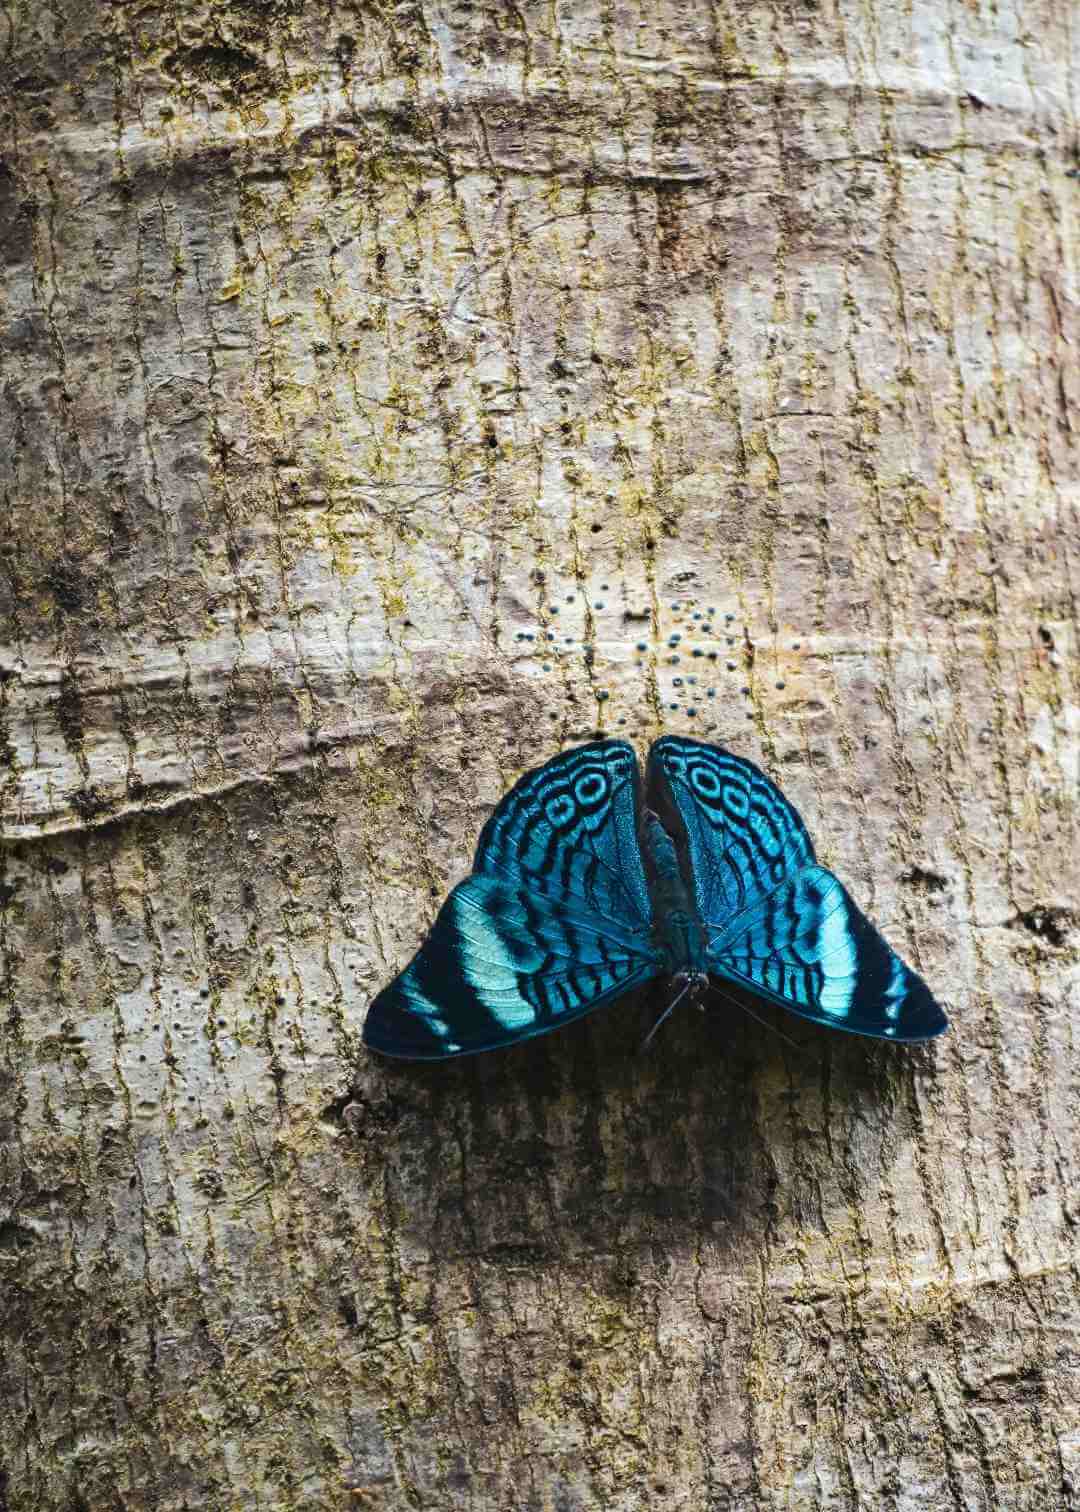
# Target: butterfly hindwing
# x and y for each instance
(776, 921)
(553, 922)
(810, 948)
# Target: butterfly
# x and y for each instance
(589, 882)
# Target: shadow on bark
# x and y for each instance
(574, 1143)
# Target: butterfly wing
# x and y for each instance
(810, 948)
(569, 830)
(741, 835)
(554, 921)
(777, 922)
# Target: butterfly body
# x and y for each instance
(588, 883)
(677, 930)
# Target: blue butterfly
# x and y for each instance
(588, 883)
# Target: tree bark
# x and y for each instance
(386, 387)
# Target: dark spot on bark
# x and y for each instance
(233, 70)
(69, 712)
(347, 1309)
(924, 880)
(210, 1182)
(353, 1114)
(67, 583)
(15, 1235)
(89, 804)
(34, 83)
(621, 1279)
(1054, 925)
(1024, 1384)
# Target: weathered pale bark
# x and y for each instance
(339, 343)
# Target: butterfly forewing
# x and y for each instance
(777, 922)
(570, 830)
(553, 922)
(743, 837)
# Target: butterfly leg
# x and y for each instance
(693, 982)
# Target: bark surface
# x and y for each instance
(384, 389)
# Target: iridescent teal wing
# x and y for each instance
(777, 922)
(554, 921)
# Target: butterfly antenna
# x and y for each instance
(757, 1019)
(666, 1014)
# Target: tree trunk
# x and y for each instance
(386, 388)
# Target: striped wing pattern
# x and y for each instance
(742, 835)
(778, 923)
(569, 830)
(553, 922)
(810, 948)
